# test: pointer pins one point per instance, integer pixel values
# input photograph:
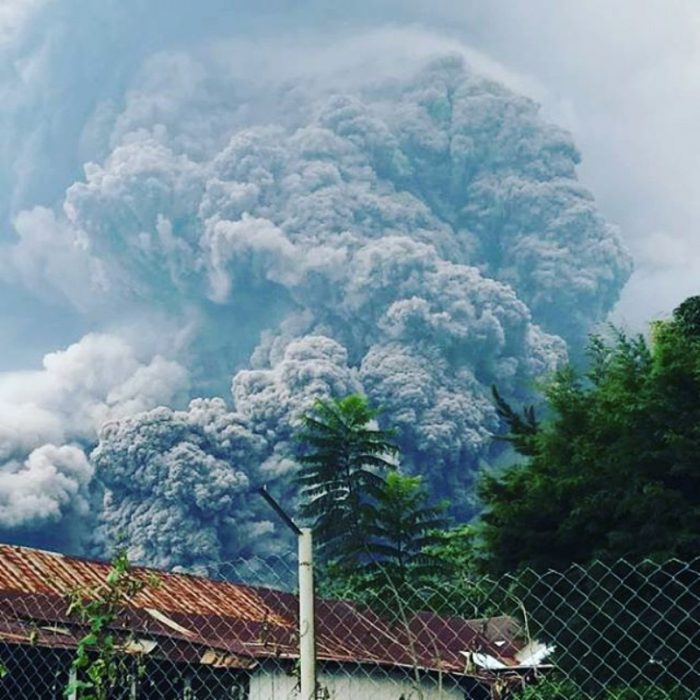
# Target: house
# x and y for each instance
(197, 638)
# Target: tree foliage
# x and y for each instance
(340, 477)
(375, 525)
(402, 527)
(100, 665)
(614, 471)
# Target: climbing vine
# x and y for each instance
(100, 664)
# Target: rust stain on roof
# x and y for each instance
(34, 571)
(192, 619)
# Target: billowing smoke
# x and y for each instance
(175, 488)
(179, 483)
(51, 481)
(417, 237)
(49, 417)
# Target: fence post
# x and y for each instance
(72, 682)
(307, 633)
(307, 637)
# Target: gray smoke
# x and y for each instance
(174, 480)
(417, 237)
(48, 417)
(179, 484)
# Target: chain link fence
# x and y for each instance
(621, 631)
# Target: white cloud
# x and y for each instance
(15, 15)
(254, 244)
(51, 256)
(92, 381)
(668, 272)
(51, 481)
(43, 475)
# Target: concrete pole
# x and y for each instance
(72, 680)
(307, 636)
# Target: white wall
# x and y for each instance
(353, 683)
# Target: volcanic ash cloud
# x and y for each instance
(419, 240)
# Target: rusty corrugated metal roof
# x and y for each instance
(198, 620)
(35, 571)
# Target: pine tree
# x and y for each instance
(611, 474)
(402, 529)
(340, 477)
(615, 469)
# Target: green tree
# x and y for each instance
(615, 469)
(612, 473)
(402, 528)
(453, 584)
(376, 526)
(343, 458)
(398, 555)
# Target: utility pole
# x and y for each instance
(307, 634)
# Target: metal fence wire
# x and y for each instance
(619, 630)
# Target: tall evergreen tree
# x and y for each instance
(341, 473)
(615, 469)
(612, 473)
(402, 529)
